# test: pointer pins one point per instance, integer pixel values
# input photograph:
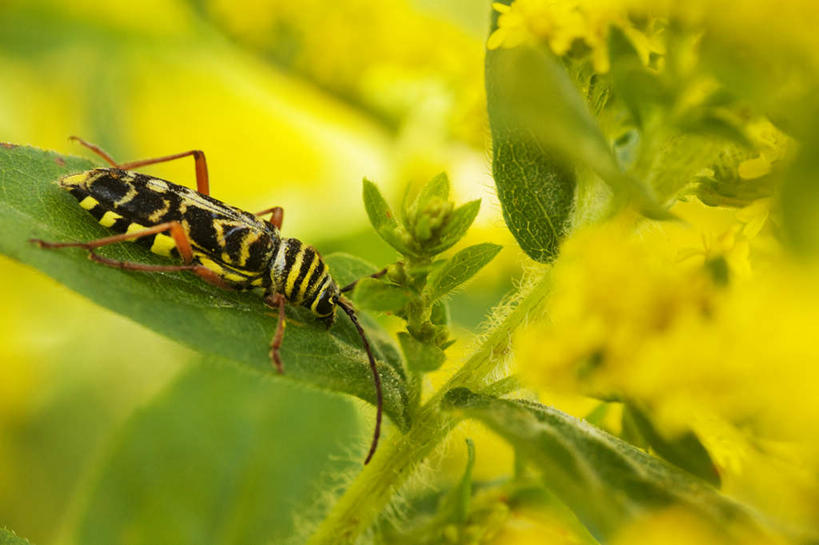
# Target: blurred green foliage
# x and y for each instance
(594, 114)
(214, 459)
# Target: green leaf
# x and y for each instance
(462, 493)
(542, 129)
(439, 314)
(535, 188)
(458, 269)
(532, 92)
(220, 457)
(604, 480)
(421, 357)
(372, 294)
(7, 537)
(685, 451)
(233, 325)
(383, 219)
(456, 226)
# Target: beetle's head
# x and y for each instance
(326, 304)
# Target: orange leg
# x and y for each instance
(277, 300)
(180, 239)
(202, 183)
(276, 215)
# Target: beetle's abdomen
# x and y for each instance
(299, 273)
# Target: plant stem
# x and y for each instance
(372, 490)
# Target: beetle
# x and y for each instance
(224, 245)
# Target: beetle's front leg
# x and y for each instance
(277, 300)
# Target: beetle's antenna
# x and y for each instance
(376, 377)
(352, 284)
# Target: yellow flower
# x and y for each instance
(678, 527)
(562, 24)
(641, 312)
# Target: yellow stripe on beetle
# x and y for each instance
(75, 180)
(109, 219)
(223, 271)
(135, 228)
(290, 283)
(89, 202)
(313, 288)
(304, 283)
(163, 245)
(244, 250)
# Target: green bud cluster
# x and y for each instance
(414, 288)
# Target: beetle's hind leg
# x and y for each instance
(181, 242)
(202, 180)
(276, 216)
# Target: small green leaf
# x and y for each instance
(604, 480)
(383, 219)
(456, 226)
(460, 268)
(234, 325)
(348, 268)
(440, 313)
(421, 357)
(7, 537)
(685, 451)
(462, 494)
(372, 294)
(436, 188)
(454, 506)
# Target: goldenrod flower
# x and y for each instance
(562, 24)
(644, 314)
(707, 324)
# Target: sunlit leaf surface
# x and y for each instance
(603, 479)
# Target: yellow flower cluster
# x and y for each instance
(561, 24)
(704, 322)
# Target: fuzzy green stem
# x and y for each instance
(395, 462)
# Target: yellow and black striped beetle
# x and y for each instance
(224, 245)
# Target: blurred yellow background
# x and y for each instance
(293, 103)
